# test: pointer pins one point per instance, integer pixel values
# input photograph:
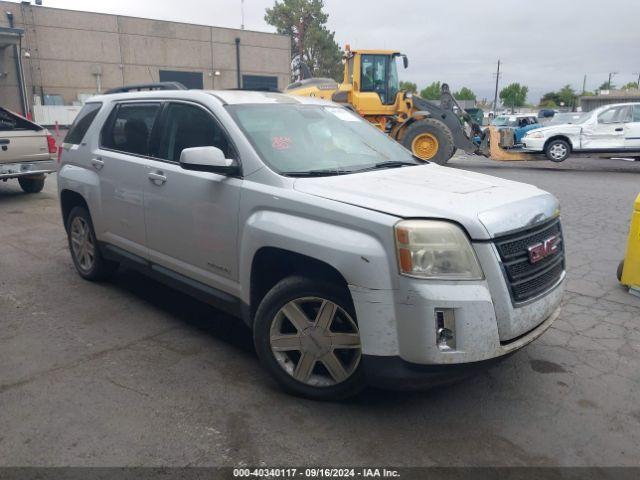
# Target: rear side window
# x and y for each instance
(129, 128)
(82, 123)
(636, 113)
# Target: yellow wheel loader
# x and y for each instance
(371, 87)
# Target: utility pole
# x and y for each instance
(584, 84)
(611, 75)
(638, 82)
(495, 97)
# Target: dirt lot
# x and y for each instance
(131, 373)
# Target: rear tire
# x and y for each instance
(31, 184)
(557, 150)
(429, 139)
(85, 252)
(329, 344)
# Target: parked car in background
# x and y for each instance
(520, 124)
(611, 129)
(547, 113)
(350, 259)
(27, 151)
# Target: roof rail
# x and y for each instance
(147, 87)
(257, 89)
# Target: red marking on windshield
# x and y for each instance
(281, 143)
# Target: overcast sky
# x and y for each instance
(544, 44)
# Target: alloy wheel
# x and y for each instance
(558, 151)
(315, 341)
(82, 244)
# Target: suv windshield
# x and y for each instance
(306, 139)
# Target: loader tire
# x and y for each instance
(429, 139)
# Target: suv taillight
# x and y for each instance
(51, 143)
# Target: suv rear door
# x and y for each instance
(21, 140)
(120, 162)
(191, 217)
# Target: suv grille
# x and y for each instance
(525, 279)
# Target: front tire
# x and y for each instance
(31, 184)
(557, 150)
(85, 253)
(306, 335)
(429, 139)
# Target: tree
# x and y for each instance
(305, 23)
(607, 86)
(514, 95)
(630, 86)
(409, 87)
(464, 94)
(567, 96)
(432, 92)
(550, 100)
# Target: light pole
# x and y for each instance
(611, 75)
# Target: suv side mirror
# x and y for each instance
(207, 159)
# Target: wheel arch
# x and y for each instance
(270, 265)
(559, 137)
(69, 199)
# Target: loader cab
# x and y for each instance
(373, 75)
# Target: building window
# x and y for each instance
(259, 82)
(191, 80)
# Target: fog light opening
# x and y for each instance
(445, 329)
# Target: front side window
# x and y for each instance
(298, 139)
(188, 126)
(129, 128)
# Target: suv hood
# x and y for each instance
(486, 206)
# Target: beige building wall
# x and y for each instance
(65, 49)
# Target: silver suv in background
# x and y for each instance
(352, 261)
(27, 151)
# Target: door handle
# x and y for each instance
(157, 177)
(97, 163)
(619, 129)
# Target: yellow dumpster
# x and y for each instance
(629, 271)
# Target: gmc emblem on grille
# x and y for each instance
(542, 250)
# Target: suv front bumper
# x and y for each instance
(396, 373)
(22, 169)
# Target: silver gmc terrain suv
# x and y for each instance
(352, 261)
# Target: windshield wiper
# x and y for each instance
(318, 173)
(388, 164)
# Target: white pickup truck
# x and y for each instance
(27, 151)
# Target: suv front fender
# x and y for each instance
(358, 256)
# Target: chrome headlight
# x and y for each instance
(435, 249)
(534, 134)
